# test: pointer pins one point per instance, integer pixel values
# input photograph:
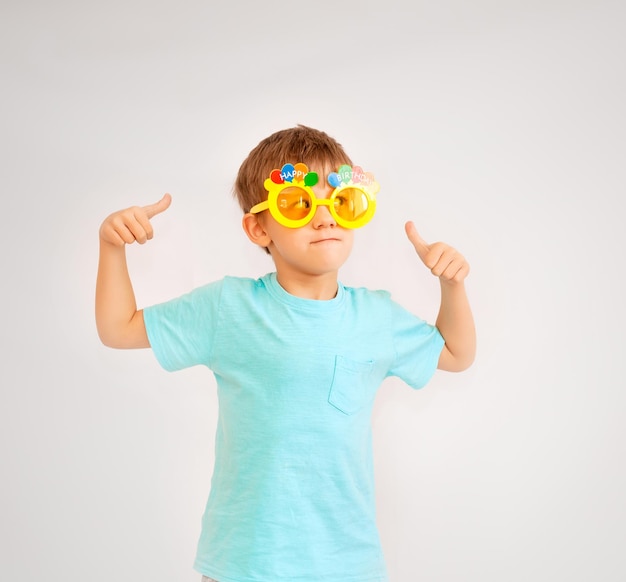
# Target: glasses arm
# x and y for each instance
(260, 207)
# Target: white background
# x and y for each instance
(497, 127)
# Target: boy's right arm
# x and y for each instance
(119, 323)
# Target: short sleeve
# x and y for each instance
(181, 330)
(417, 346)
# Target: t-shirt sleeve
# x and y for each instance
(417, 345)
(181, 331)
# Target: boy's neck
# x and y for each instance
(318, 287)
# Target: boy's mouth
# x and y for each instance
(326, 240)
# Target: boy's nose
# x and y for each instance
(323, 217)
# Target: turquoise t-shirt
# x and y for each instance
(292, 492)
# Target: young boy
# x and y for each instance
(298, 358)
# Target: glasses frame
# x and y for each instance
(274, 189)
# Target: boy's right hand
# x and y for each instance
(132, 224)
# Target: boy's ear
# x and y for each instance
(255, 230)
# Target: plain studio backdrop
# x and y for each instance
(497, 127)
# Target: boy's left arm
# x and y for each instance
(455, 321)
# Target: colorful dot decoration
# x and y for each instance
(344, 176)
(350, 175)
(294, 173)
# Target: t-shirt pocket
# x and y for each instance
(353, 385)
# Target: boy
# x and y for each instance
(297, 357)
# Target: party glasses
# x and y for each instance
(292, 203)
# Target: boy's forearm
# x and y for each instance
(119, 323)
(456, 324)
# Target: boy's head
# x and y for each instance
(298, 144)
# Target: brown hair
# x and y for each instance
(297, 144)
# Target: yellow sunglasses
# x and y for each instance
(292, 202)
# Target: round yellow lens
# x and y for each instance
(351, 204)
(294, 203)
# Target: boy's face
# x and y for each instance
(318, 248)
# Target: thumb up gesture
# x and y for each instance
(132, 224)
(443, 261)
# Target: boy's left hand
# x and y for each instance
(443, 261)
